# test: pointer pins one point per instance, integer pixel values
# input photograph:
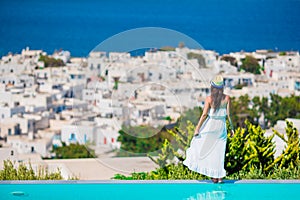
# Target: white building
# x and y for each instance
(96, 62)
(244, 79)
(80, 132)
(7, 112)
(26, 145)
(8, 129)
(62, 55)
(8, 153)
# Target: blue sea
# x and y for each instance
(80, 25)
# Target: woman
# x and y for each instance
(207, 149)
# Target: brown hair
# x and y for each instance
(217, 96)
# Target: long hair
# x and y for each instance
(217, 96)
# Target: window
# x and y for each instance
(9, 131)
(11, 153)
(72, 137)
(32, 149)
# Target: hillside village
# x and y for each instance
(87, 100)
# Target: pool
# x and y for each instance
(144, 190)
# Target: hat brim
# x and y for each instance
(216, 86)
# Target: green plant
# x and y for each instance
(259, 149)
(22, 172)
(232, 60)
(275, 173)
(283, 53)
(284, 173)
(141, 139)
(51, 62)
(73, 151)
(169, 172)
(175, 148)
(250, 64)
(290, 157)
(167, 48)
(200, 58)
(235, 151)
(249, 155)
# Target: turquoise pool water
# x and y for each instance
(147, 190)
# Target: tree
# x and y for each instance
(264, 110)
(240, 111)
(51, 62)
(191, 115)
(167, 48)
(141, 139)
(279, 108)
(276, 111)
(283, 53)
(291, 106)
(229, 59)
(199, 57)
(250, 64)
(255, 110)
(73, 151)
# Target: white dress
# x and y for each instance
(207, 151)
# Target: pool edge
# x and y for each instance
(250, 181)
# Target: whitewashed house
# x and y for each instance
(29, 144)
(80, 132)
(245, 79)
(6, 111)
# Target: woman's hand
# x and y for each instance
(231, 133)
(196, 133)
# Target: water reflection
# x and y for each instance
(209, 195)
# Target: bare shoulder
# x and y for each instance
(208, 99)
(227, 98)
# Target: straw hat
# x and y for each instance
(217, 82)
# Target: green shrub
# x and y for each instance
(290, 157)
(250, 64)
(22, 172)
(73, 151)
(169, 172)
(140, 140)
(51, 62)
(249, 155)
(200, 58)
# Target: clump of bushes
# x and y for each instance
(249, 155)
(22, 172)
(73, 151)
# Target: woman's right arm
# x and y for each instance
(203, 116)
(228, 115)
